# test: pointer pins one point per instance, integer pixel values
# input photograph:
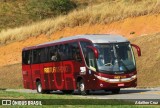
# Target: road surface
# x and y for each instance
(127, 93)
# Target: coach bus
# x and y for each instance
(83, 63)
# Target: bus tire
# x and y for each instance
(81, 88)
(115, 91)
(39, 87)
(67, 91)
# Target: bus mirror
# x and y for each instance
(94, 49)
(138, 49)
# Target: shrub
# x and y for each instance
(61, 6)
(47, 8)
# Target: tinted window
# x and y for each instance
(75, 51)
(36, 56)
(54, 54)
(65, 52)
(90, 59)
(44, 55)
(26, 57)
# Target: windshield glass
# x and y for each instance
(115, 57)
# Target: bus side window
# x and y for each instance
(65, 52)
(61, 52)
(75, 52)
(36, 56)
(90, 58)
(52, 54)
(43, 55)
(84, 47)
(88, 55)
(55, 53)
(26, 57)
(70, 52)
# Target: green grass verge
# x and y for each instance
(16, 95)
(87, 106)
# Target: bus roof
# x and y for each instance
(94, 38)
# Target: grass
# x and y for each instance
(60, 100)
(101, 13)
(16, 95)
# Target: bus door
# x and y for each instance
(71, 70)
(26, 69)
(71, 64)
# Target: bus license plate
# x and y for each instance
(120, 85)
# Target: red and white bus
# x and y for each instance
(83, 62)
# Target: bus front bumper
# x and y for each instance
(105, 83)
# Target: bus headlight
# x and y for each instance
(105, 79)
(101, 78)
(134, 77)
(116, 80)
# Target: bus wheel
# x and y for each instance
(67, 91)
(81, 88)
(39, 87)
(115, 91)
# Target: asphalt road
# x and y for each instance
(128, 93)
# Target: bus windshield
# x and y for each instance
(117, 57)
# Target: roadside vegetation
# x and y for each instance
(18, 95)
(15, 13)
(78, 13)
(62, 104)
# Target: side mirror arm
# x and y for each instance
(138, 49)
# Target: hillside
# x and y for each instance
(16, 13)
(139, 25)
(104, 12)
(149, 63)
(137, 20)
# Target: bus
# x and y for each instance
(82, 62)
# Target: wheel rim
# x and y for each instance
(39, 88)
(82, 87)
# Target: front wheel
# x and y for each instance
(115, 91)
(81, 88)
